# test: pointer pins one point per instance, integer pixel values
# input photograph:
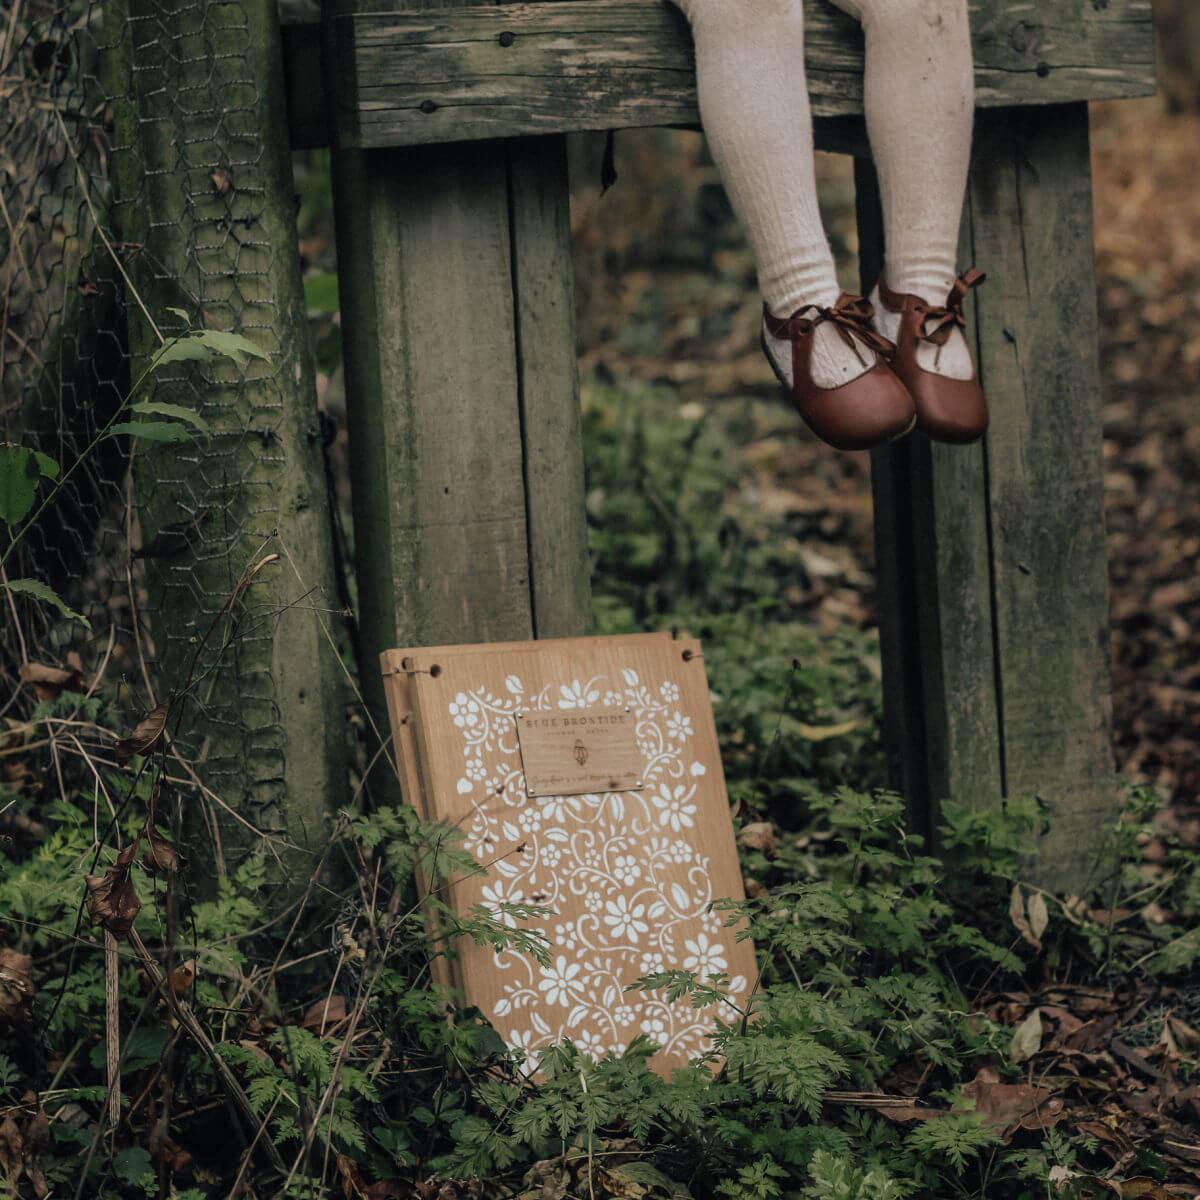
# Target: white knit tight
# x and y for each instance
(919, 96)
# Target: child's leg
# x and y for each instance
(755, 108)
(920, 95)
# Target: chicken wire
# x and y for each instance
(134, 178)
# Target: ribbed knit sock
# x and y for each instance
(919, 95)
(755, 108)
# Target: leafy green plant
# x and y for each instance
(22, 469)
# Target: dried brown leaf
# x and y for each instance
(353, 1185)
(325, 1015)
(112, 901)
(49, 683)
(16, 988)
(12, 1153)
(1144, 1189)
(902, 1114)
(1011, 1106)
(1027, 1037)
(160, 854)
(759, 835)
(1039, 916)
(183, 977)
(37, 1136)
(145, 735)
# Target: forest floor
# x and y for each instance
(669, 303)
(1069, 1026)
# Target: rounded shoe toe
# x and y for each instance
(869, 411)
(950, 410)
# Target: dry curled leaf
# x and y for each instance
(1030, 918)
(759, 835)
(1010, 1106)
(183, 977)
(12, 1153)
(49, 683)
(16, 988)
(20, 1152)
(1027, 1037)
(222, 181)
(112, 901)
(145, 735)
(353, 1184)
(324, 1016)
(160, 854)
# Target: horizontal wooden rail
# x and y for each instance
(508, 70)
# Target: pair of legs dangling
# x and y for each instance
(828, 349)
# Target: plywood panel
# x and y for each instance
(629, 876)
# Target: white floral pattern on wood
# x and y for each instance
(609, 852)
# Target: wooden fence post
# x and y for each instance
(203, 189)
(993, 588)
(458, 331)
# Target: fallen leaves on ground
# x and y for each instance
(48, 682)
(16, 988)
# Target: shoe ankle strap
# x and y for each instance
(850, 316)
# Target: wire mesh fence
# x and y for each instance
(146, 187)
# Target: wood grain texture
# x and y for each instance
(547, 364)
(462, 390)
(628, 876)
(1030, 205)
(453, 74)
(265, 729)
(993, 586)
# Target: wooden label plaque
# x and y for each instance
(574, 753)
(586, 776)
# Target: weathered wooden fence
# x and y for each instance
(447, 123)
(201, 180)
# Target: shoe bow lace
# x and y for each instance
(850, 316)
(938, 323)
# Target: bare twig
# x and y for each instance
(183, 1013)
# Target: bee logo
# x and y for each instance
(581, 752)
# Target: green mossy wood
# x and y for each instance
(991, 558)
(203, 187)
(993, 582)
(458, 319)
(438, 73)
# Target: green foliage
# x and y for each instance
(206, 346)
(797, 708)
(835, 1178)
(954, 1140)
(37, 590)
(871, 949)
(21, 470)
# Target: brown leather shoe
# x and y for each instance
(948, 410)
(868, 411)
